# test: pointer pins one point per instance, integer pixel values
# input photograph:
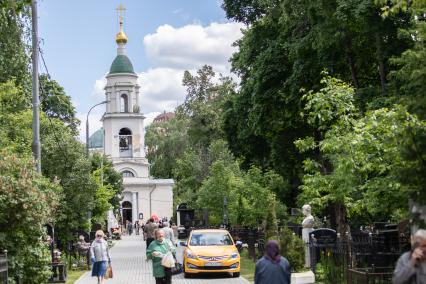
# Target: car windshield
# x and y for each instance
(210, 239)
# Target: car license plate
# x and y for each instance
(213, 264)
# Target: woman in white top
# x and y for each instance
(99, 254)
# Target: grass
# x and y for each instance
(247, 266)
(73, 275)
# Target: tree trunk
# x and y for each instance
(351, 62)
(342, 226)
(380, 59)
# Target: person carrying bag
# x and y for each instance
(99, 253)
(162, 252)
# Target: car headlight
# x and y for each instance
(190, 254)
(234, 255)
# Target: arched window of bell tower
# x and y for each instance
(125, 144)
(124, 103)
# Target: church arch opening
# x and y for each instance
(124, 103)
(125, 143)
(127, 212)
(127, 173)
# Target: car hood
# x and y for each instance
(213, 250)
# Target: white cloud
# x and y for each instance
(172, 51)
(161, 89)
(149, 118)
(94, 122)
(192, 46)
(177, 11)
(98, 91)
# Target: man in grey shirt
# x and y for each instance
(411, 266)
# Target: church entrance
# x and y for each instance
(127, 212)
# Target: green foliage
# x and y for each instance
(14, 55)
(166, 142)
(15, 119)
(292, 248)
(55, 103)
(188, 175)
(223, 182)
(103, 195)
(192, 148)
(108, 176)
(63, 158)
(202, 107)
(247, 195)
(283, 50)
(361, 158)
(27, 202)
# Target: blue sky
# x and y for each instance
(166, 37)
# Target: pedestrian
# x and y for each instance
(168, 232)
(129, 227)
(150, 231)
(157, 250)
(99, 253)
(411, 265)
(175, 230)
(137, 227)
(272, 268)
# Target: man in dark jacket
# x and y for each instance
(272, 268)
(411, 266)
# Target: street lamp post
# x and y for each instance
(87, 126)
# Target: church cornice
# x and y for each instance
(112, 75)
(127, 115)
(134, 161)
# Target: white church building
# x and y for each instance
(122, 140)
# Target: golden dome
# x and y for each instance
(121, 37)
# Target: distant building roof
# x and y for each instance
(165, 116)
(96, 140)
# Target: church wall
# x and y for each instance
(161, 199)
(112, 128)
(141, 170)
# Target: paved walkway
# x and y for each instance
(130, 267)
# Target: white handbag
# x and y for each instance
(168, 260)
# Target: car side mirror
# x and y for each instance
(183, 244)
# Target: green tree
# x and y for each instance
(166, 142)
(108, 176)
(284, 50)
(361, 157)
(14, 35)
(188, 175)
(223, 182)
(56, 103)
(103, 195)
(27, 203)
(63, 158)
(15, 119)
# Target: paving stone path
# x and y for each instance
(130, 267)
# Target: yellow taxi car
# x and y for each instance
(210, 250)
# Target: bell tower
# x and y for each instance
(123, 122)
(123, 126)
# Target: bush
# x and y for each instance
(292, 248)
(27, 203)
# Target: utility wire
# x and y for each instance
(60, 145)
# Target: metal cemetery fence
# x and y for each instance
(373, 275)
(3, 268)
(357, 258)
(255, 240)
